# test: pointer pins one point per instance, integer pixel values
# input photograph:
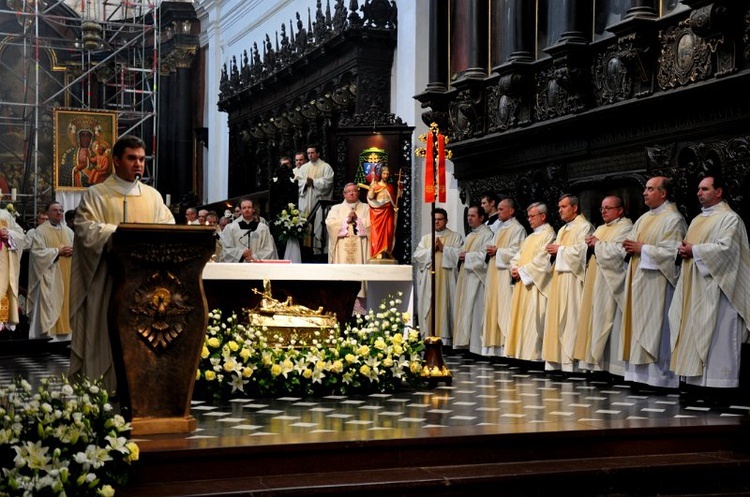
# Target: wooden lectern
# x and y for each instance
(157, 321)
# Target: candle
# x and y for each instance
(13, 194)
(168, 201)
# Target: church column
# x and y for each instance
(434, 97)
(438, 49)
(477, 42)
(577, 21)
(509, 95)
(523, 15)
(642, 8)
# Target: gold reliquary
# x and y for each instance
(286, 324)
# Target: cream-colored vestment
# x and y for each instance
(649, 285)
(97, 217)
(566, 290)
(529, 303)
(446, 278)
(469, 303)
(600, 316)
(711, 304)
(48, 298)
(509, 236)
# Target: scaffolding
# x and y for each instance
(74, 54)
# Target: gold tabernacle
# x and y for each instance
(287, 324)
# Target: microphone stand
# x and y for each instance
(125, 198)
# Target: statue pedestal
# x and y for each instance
(157, 321)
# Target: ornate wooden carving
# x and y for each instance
(158, 318)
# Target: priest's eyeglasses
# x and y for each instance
(607, 208)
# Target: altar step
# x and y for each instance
(647, 460)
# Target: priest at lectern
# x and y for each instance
(121, 198)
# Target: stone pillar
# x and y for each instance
(578, 16)
(478, 41)
(438, 49)
(523, 13)
(642, 8)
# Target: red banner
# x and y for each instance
(441, 168)
(429, 170)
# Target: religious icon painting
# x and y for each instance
(83, 147)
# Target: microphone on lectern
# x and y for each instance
(125, 198)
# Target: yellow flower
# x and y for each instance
(275, 370)
(415, 367)
(388, 362)
(363, 350)
(210, 375)
(198, 374)
(407, 317)
(364, 369)
(135, 451)
(106, 491)
(337, 366)
(230, 365)
(204, 352)
(233, 346)
(307, 373)
(214, 342)
(247, 372)
(398, 338)
(244, 354)
(320, 365)
(379, 343)
(398, 350)
(267, 359)
(350, 358)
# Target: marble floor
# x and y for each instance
(484, 396)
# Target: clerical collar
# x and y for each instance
(506, 223)
(614, 221)
(123, 185)
(491, 220)
(477, 228)
(56, 226)
(540, 228)
(707, 211)
(659, 209)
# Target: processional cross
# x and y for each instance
(434, 154)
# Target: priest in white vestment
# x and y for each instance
(12, 240)
(246, 239)
(315, 182)
(600, 315)
(509, 235)
(531, 277)
(100, 211)
(711, 306)
(47, 302)
(446, 277)
(568, 257)
(472, 263)
(649, 286)
(348, 225)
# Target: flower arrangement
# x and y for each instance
(379, 353)
(12, 210)
(61, 439)
(290, 224)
